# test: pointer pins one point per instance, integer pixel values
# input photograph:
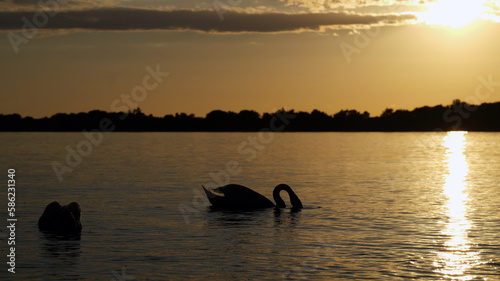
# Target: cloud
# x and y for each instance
(22, 2)
(124, 19)
(33, 5)
(322, 4)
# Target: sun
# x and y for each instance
(453, 13)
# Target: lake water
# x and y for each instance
(380, 206)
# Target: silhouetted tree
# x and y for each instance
(457, 115)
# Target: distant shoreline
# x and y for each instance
(457, 116)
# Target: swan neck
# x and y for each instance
(294, 199)
(277, 198)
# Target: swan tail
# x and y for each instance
(213, 197)
(210, 194)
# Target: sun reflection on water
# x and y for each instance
(457, 256)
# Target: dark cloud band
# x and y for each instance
(199, 20)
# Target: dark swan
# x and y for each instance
(61, 219)
(235, 196)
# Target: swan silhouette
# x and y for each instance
(61, 219)
(235, 196)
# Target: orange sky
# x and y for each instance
(301, 55)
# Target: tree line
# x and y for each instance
(456, 116)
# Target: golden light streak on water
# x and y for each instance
(458, 254)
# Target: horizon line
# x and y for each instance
(251, 110)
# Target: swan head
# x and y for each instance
(294, 199)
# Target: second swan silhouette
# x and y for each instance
(235, 196)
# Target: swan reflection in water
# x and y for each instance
(235, 196)
(457, 256)
(60, 256)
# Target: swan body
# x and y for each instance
(235, 196)
(61, 219)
